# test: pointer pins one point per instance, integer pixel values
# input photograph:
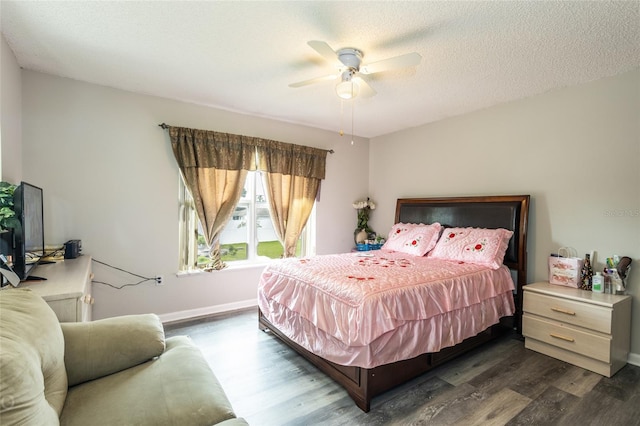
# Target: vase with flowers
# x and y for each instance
(362, 232)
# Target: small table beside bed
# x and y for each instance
(441, 285)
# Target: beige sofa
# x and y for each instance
(117, 371)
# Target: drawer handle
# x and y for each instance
(558, 336)
(563, 311)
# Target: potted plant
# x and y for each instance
(8, 219)
(363, 231)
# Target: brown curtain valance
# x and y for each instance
(290, 159)
(211, 150)
(226, 151)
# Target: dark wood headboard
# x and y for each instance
(499, 211)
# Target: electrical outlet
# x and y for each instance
(159, 280)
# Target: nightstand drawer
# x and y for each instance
(566, 337)
(567, 311)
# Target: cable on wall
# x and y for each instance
(143, 278)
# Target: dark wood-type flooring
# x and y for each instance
(500, 383)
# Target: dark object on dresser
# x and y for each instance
(72, 249)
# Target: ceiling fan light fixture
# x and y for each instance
(347, 89)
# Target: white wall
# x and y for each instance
(10, 115)
(576, 151)
(110, 179)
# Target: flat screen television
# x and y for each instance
(29, 237)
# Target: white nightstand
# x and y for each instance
(587, 329)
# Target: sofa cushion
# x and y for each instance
(34, 380)
(103, 347)
(177, 388)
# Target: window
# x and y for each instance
(248, 236)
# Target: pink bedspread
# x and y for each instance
(348, 308)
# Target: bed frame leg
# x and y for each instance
(262, 325)
(360, 394)
(363, 405)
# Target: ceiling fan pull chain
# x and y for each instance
(352, 102)
(341, 117)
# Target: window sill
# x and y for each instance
(231, 266)
(245, 264)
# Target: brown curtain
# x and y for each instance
(214, 167)
(292, 175)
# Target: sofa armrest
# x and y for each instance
(99, 348)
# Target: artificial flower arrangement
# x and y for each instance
(364, 208)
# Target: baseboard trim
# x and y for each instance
(207, 310)
(634, 359)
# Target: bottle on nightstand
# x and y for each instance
(597, 284)
(587, 273)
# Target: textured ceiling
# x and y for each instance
(241, 56)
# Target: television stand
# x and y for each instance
(67, 288)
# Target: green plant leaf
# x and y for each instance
(6, 212)
(10, 223)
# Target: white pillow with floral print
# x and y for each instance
(411, 238)
(473, 245)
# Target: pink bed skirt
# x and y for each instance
(397, 313)
(407, 341)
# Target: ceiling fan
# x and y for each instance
(349, 62)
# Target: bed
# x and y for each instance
(426, 309)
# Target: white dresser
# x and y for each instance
(590, 330)
(67, 288)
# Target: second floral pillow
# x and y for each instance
(473, 245)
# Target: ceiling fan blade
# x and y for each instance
(366, 91)
(314, 80)
(402, 61)
(324, 50)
